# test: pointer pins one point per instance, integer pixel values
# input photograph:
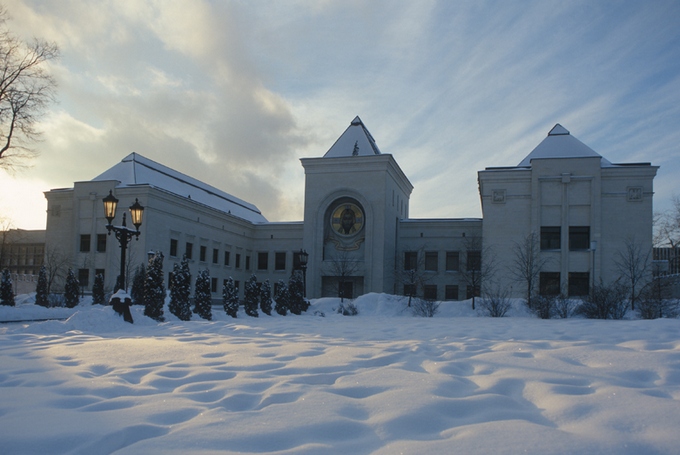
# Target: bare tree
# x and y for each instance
(56, 264)
(410, 272)
(527, 263)
(478, 273)
(496, 302)
(634, 265)
(343, 265)
(26, 89)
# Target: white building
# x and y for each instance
(356, 225)
(580, 207)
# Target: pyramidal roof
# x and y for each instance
(135, 169)
(561, 144)
(355, 141)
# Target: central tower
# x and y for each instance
(354, 198)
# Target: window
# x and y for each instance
(410, 289)
(474, 261)
(213, 284)
(247, 262)
(431, 259)
(579, 284)
(237, 284)
(430, 292)
(280, 261)
(216, 256)
(85, 243)
(452, 261)
(262, 261)
(549, 283)
(84, 277)
(189, 250)
(346, 290)
(579, 238)
(410, 260)
(550, 237)
(173, 248)
(227, 257)
(451, 292)
(203, 253)
(472, 291)
(238, 261)
(101, 243)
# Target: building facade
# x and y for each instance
(356, 227)
(581, 209)
(22, 252)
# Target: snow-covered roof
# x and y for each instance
(355, 141)
(561, 144)
(135, 169)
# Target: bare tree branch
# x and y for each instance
(527, 263)
(26, 90)
(634, 266)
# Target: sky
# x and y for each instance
(235, 92)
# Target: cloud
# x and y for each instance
(233, 93)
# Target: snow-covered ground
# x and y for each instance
(382, 382)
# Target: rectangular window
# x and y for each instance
(238, 261)
(474, 261)
(549, 283)
(101, 243)
(346, 290)
(431, 260)
(280, 261)
(579, 238)
(189, 250)
(579, 284)
(203, 253)
(213, 284)
(216, 256)
(85, 243)
(451, 292)
(550, 237)
(411, 260)
(430, 292)
(452, 261)
(84, 277)
(227, 257)
(472, 290)
(247, 262)
(237, 284)
(262, 261)
(173, 248)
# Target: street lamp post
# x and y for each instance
(304, 257)
(123, 233)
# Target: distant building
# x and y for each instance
(22, 252)
(356, 225)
